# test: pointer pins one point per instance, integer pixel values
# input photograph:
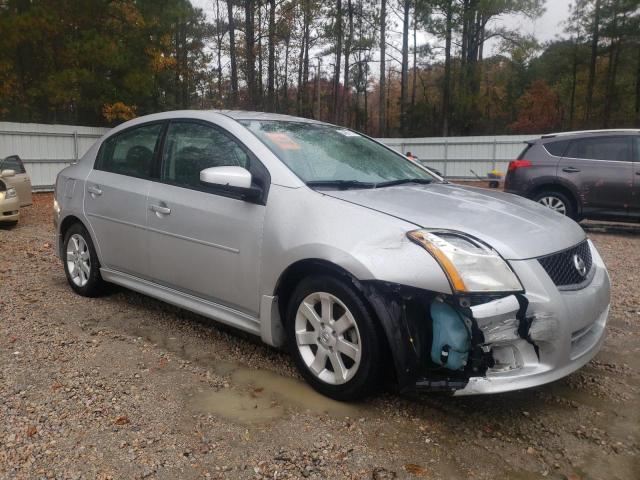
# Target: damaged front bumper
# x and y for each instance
(516, 341)
(559, 332)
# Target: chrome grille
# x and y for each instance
(561, 266)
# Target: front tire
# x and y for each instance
(81, 264)
(333, 338)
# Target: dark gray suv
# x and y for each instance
(592, 174)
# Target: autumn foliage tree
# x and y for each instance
(538, 110)
(385, 67)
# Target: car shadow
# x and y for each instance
(8, 225)
(611, 228)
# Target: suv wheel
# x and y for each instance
(333, 338)
(556, 201)
(81, 262)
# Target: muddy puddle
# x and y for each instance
(256, 396)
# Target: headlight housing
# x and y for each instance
(470, 265)
(10, 193)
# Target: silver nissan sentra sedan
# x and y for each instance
(365, 264)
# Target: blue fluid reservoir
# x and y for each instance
(451, 337)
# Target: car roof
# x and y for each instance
(251, 115)
(591, 132)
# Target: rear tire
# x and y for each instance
(81, 264)
(556, 201)
(333, 338)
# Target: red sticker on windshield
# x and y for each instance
(283, 141)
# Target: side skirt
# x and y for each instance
(209, 309)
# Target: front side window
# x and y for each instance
(326, 153)
(601, 148)
(191, 147)
(130, 152)
(13, 163)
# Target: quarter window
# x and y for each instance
(601, 148)
(557, 148)
(130, 152)
(13, 163)
(191, 147)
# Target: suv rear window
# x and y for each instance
(601, 148)
(524, 152)
(557, 148)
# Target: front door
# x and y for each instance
(601, 168)
(20, 181)
(115, 199)
(204, 243)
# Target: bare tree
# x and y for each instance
(382, 120)
(232, 55)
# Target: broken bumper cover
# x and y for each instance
(565, 330)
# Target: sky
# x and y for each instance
(549, 25)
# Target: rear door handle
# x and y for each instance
(94, 190)
(571, 169)
(160, 209)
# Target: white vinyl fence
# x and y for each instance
(459, 157)
(47, 149)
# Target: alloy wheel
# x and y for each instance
(78, 260)
(554, 203)
(328, 338)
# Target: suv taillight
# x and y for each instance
(515, 164)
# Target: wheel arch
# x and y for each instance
(559, 187)
(300, 269)
(65, 225)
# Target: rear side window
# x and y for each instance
(602, 148)
(13, 163)
(130, 152)
(557, 148)
(191, 147)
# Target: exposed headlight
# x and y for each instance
(10, 193)
(470, 265)
(56, 207)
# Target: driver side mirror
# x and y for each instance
(8, 173)
(231, 179)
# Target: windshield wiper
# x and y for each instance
(390, 183)
(341, 184)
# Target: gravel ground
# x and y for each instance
(127, 387)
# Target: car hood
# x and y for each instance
(516, 227)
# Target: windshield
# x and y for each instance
(326, 155)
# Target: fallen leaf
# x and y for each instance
(122, 420)
(31, 431)
(414, 469)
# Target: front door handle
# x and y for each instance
(571, 169)
(160, 209)
(94, 190)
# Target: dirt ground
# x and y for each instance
(127, 387)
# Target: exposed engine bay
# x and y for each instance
(444, 340)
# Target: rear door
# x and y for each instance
(115, 199)
(601, 168)
(203, 242)
(20, 181)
